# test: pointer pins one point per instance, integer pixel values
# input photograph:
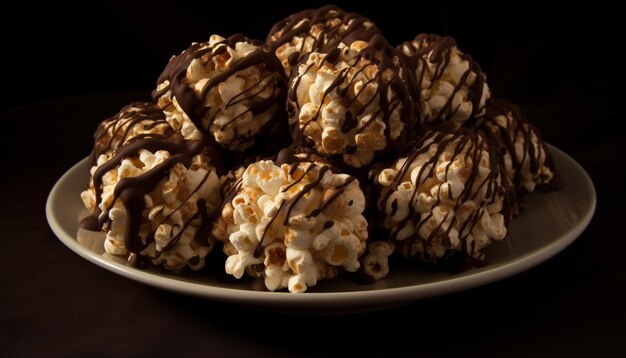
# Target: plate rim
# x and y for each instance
(383, 296)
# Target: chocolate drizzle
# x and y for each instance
(390, 77)
(193, 103)
(471, 146)
(428, 49)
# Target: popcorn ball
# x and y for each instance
(226, 91)
(315, 31)
(524, 155)
(449, 85)
(153, 198)
(352, 102)
(448, 195)
(292, 224)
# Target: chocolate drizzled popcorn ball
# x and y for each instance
(292, 224)
(524, 155)
(449, 84)
(351, 102)
(226, 91)
(449, 194)
(314, 31)
(153, 197)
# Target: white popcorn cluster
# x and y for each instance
(293, 225)
(330, 94)
(450, 85)
(525, 158)
(447, 195)
(170, 220)
(235, 108)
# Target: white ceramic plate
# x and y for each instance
(550, 222)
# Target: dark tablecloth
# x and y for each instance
(54, 303)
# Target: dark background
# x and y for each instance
(68, 66)
(529, 52)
